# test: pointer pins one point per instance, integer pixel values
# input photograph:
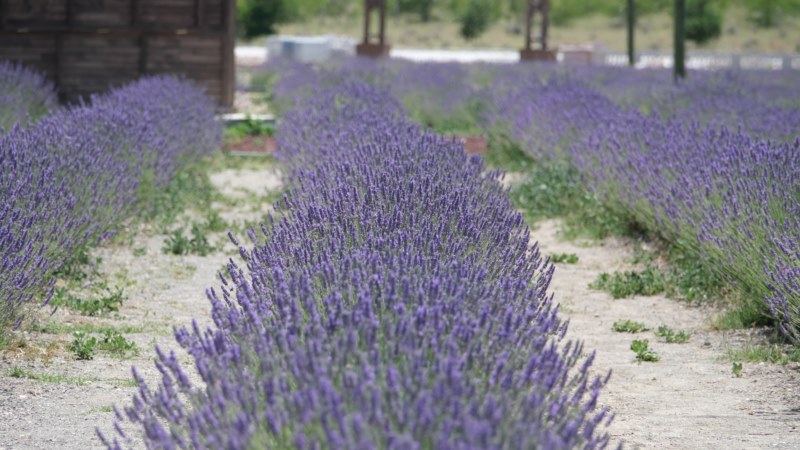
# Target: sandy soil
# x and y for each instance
(689, 399)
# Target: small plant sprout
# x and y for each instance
(629, 326)
(83, 345)
(566, 258)
(671, 336)
(737, 369)
(643, 353)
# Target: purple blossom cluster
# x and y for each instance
(394, 301)
(25, 95)
(73, 177)
(711, 164)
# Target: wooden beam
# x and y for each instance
(135, 12)
(199, 13)
(227, 58)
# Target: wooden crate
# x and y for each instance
(89, 46)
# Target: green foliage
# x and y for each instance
(79, 266)
(507, 155)
(422, 7)
(746, 312)
(249, 127)
(703, 20)
(628, 326)
(566, 258)
(476, 17)
(767, 13)
(19, 372)
(106, 301)
(83, 345)
(737, 369)
(259, 17)
(113, 341)
(671, 336)
(178, 244)
(774, 353)
(140, 251)
(190, 187)
(215, 222)
(643, 353)
(554, 189)
(650, 281)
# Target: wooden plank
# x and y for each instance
(228, 42)
(199, 13)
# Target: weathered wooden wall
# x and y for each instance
(88, 46)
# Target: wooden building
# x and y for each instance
(88, 46)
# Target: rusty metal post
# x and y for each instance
(528, 53)
(368, 47)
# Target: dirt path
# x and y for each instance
(690, 398)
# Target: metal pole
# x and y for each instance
(680, 40)
(631, 27)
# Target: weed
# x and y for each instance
(776, 354)
(109, 300)
(737, 369)
(18, 372)
(627, 284)
(140, 251)
(249, 127)
(629, 326)
(58, 328)
(671, 336)
(507, 155)
(745, 313)
(555, 189)
(83, 345)
(80, 266)
(190, 186)
(178, 244)
(114, 342)
(643, 353)
(199, 242)
(215, 222)
(567, 258)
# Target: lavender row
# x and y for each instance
(393, 302)
(75, 176)
(25, 95)
(711, 164)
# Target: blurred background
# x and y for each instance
(752, 26)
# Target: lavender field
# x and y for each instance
(373, 286)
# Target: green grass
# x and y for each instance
(772, 353)
(18, 372)
(89, 328)
(629, 326)
(104, 301)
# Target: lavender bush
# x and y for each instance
(74, 177)
(394, 302)
(25, 95)
(711, 164)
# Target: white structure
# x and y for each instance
(310, 49)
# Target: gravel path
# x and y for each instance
(690, 398)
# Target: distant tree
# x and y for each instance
(259, 17)
(703, 20)
(766, 13)
(421, 7)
